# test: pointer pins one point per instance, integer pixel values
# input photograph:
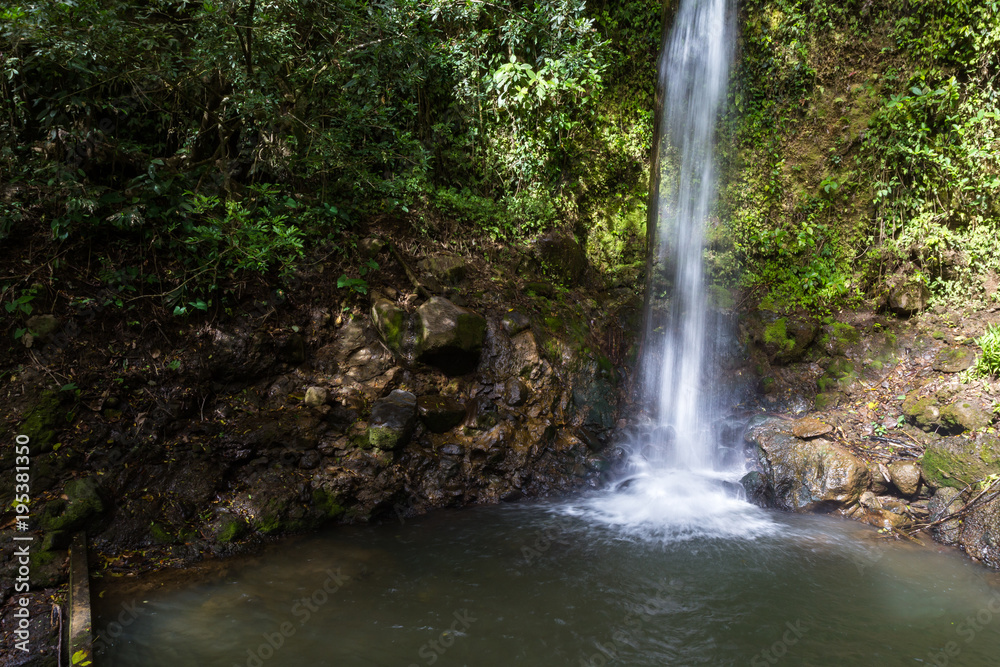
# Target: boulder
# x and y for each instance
(390, 321)
(981, 532)
(440, 413)
(944, 502)
(806, 475)
(960, 460)
(758, 489)
(905, 476)
(315, 396)
(82, 503)
(514, 322)
(953, 359)
(809, 427)
(392, 420)
(966, 415)
(785, 339)
(450, 337)
(516, 392)
(908, 298)
(446, 269)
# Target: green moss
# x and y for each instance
(327, 503)
(840, 375)
(956, 462)
(42, 420)
(160, 534)
(231, 530)
(383, 437)
(776, 334)
(554, 323)
(83, 502)
(828, 400)
(269, 523)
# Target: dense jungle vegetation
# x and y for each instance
(180, 149)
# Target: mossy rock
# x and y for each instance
(922, 412)
(390, 321)
(47, 568)
(839, 376)
(957, 461)
(836, 338)
(160, 535)
(965, 415)
(43, 421)
(83, 503)
(785, 339)
(328, 504)
(231, 530)
(953, 359)
(829, 399)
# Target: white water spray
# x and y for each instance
(679, 483)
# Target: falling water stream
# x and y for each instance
(667, 566)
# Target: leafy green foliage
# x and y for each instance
(184, 129)
(989, 361)
(860, 143)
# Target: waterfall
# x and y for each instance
(681, 476)
(694, 72)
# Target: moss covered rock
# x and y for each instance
(390, 321)
(960, 460)
(450, 337)
(82, 503)
(392, 420)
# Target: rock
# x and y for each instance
(561, 257)
(371, 247)
(392, 420)
(310, 459)
(966, 415)
(43, 326)
(514, 323)
(82, 503)
(785, 339)
(806, 475)
(869, 501)
(516, 392)
(390, 321)
(944, 502)
(839, 376)
(758, 489)
(440, 413)
(905, 476)
(829, 399)
(980, 537)
(450, 337)
(960, 460)
(922, 412)
(448, 269)
(909, 298)
(953, 359)
(315, 396)
(597, 398)
(835, 339)
(293, 349)
(808, 427)
(881, 481)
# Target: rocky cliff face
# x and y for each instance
(455, 382)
